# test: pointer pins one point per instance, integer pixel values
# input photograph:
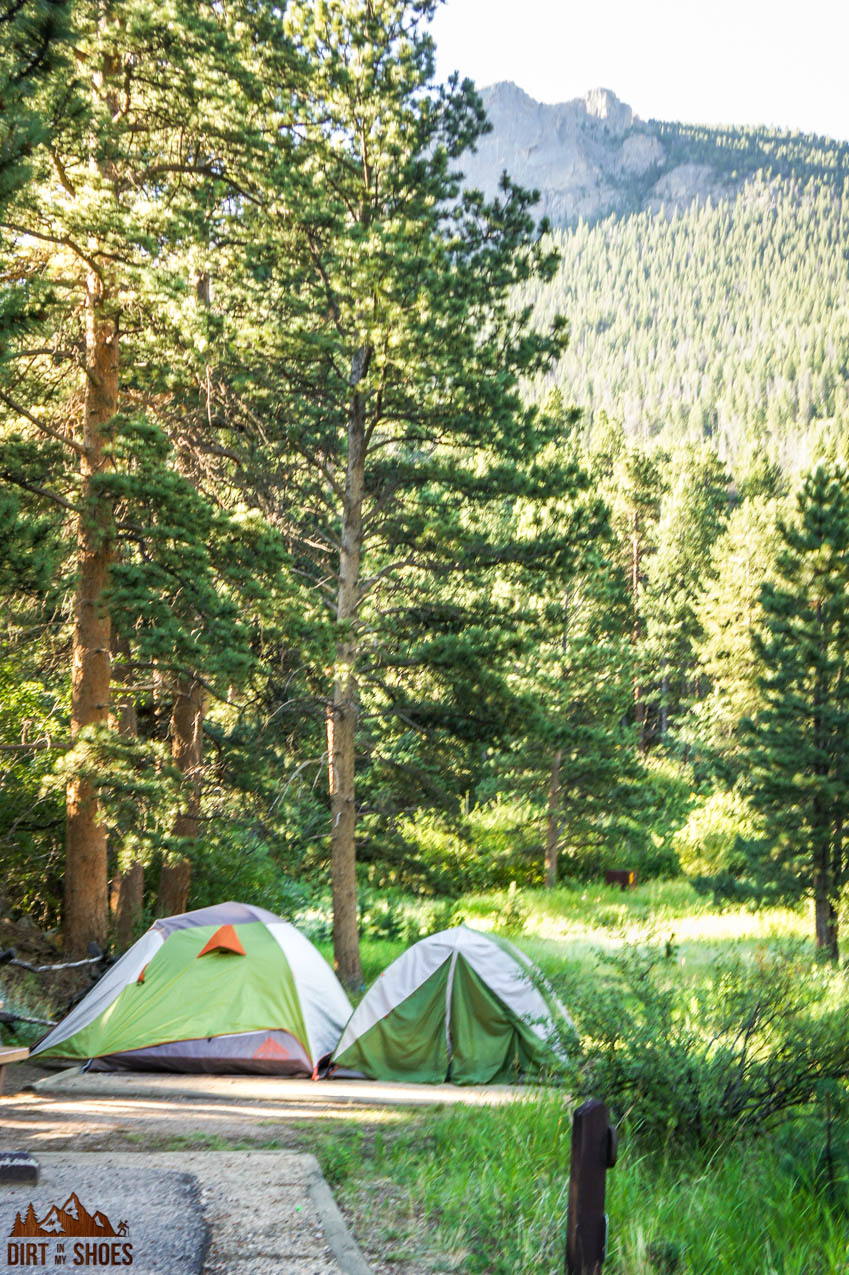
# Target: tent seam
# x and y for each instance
(449, 995)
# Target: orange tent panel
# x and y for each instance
(225, 939)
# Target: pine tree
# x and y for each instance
(32, 37)
(693, 515)
(726, 612)
(391, 351)
(796, 760)
(594, 771)
(633, 481)
(140, 160)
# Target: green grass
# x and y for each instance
(565, 928)
(201, 1142)
(485, 1190)
(375, 955)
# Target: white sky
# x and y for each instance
(725, 62)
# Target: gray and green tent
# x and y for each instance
(460, 1006)
(230, 988)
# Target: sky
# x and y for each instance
(728, 62)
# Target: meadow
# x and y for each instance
(485, 1189)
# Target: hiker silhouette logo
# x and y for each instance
(95, 1241)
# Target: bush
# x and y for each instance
(710, 840)
(485, 848)
(386, 915)
(705, 1063)
(233, 863)
(512, 916)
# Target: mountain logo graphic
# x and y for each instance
(72, 1219)
(271, 1049)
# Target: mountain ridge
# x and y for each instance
(593, 156)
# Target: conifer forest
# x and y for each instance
(360, 531)
(377, 553)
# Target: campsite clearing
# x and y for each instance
(247, 1141)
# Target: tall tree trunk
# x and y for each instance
(126, 889)
(85, 837)
(187, 753)
(552, 832)
(664, 698)
(827, 847)
(342, 713)
(639, 703)
(175, 876)
(838, 877)
(126, 903)
(825, 917)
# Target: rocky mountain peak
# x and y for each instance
(605, 105)
(587, 157)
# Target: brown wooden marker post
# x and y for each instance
(593, 1153)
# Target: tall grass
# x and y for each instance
(484, 1190)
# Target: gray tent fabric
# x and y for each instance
(459, 1005)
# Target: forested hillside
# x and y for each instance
(726, 321)
(703, 270)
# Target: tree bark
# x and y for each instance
(552, 832)
(187, 753)
(825, 921)
(85, 836)
(126, 890)
(175, 876)
(342, 713)
(826, 846)
(639, 703)
(126, 901)
(664, 699)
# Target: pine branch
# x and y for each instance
(64, 241)
(39, 491)
(45, 429)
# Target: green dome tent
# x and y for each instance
(459, 1006)
(230, 988)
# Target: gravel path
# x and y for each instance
(197, 1212)
(270, 1211)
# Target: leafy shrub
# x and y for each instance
(513, 914)
(484, 848)
(380, 918)
(315, 921)
(508, 838)
(710, 840)
(727, 1057)
(387, 915)
(32, 819)
(234, 863)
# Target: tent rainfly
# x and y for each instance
(460, 1006)
(230, 988)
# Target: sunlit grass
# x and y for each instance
(569, 926)
(480, 1191)
(486, 1191)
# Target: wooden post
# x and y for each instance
(593, 1153)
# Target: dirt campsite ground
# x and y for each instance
(214, 1114)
